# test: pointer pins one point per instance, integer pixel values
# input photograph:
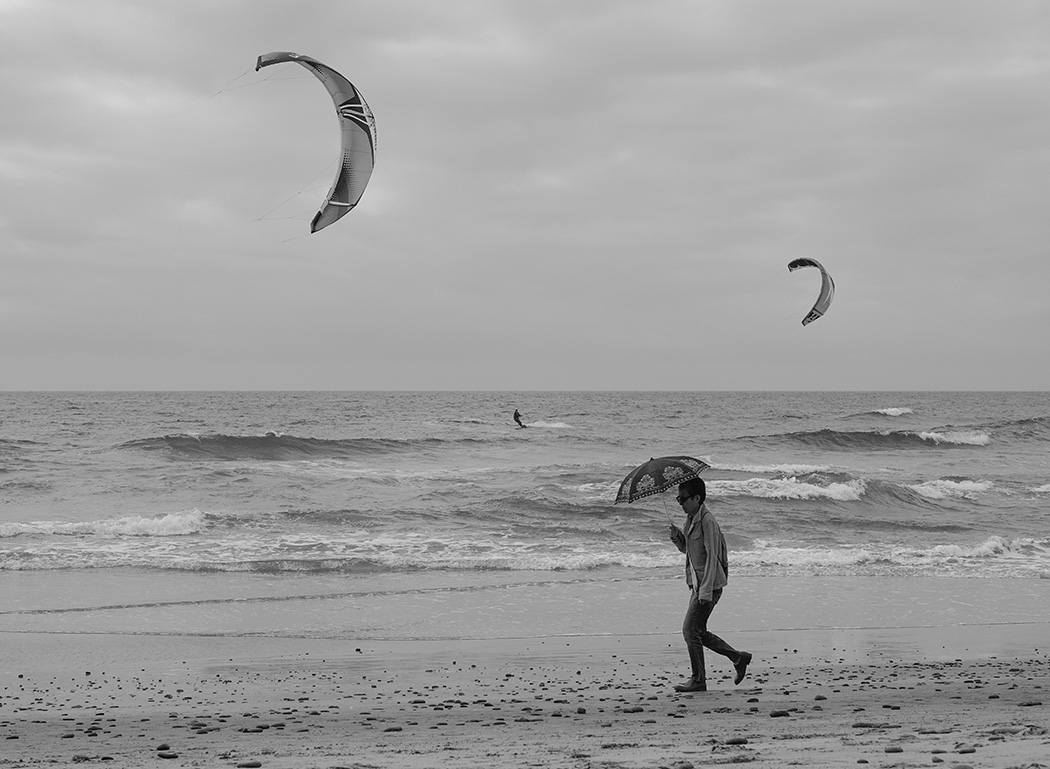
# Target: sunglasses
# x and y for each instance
(681, 500)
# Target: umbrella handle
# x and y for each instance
(670, 520)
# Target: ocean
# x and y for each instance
(413, 514)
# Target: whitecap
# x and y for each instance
(169, 524)
(959, 437)
(788, 488)
(993, 555)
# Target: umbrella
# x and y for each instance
(658, 475)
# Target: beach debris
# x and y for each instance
(544, 689)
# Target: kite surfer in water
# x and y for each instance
(517, 418)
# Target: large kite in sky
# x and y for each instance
(827, 288)
(358, 128)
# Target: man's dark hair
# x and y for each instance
(695, 487)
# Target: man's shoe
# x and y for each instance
(741, 666)
(692, 685)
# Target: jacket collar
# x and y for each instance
(691, 520)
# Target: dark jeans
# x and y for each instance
(697, 636)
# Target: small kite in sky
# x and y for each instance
(827, 288)
(358, 128)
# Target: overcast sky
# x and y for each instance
(567, 195)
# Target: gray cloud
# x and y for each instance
(566, 195)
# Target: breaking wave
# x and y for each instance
(946, 488)
(170, 524)
(789, 488)
(894, 411)
(889, 439)
(1021, 557)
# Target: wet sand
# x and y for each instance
(887, 696)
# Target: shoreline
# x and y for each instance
(497, 605)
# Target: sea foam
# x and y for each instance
(789, 488)
(1022, 557)
(943, 489)
(169, 524)
(959, 437)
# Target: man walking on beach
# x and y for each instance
(706, 573)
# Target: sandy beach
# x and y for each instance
(889, 697)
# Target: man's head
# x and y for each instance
(694, 487)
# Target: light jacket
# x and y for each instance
(707, 558)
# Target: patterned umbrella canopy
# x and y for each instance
(658, 475)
